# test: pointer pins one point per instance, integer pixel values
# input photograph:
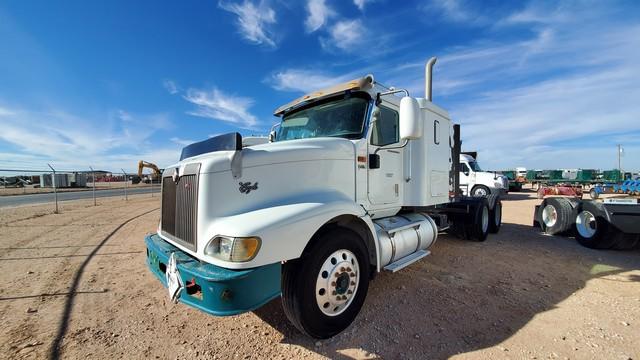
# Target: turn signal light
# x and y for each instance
(235, 249)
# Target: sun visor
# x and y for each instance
(227, 142)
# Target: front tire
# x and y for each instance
(323, 291)
(480, 191)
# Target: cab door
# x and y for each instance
(467, 178)
(385, 181)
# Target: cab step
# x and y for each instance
(407, 260)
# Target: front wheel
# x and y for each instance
(480, 191)
(323, 291)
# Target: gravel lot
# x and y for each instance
(75, 285)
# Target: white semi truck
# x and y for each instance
(476, 182)
(354, 181)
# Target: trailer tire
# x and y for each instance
(480, 191)
(593, 193)
(304, 289)
(592, 228)
(556, 214)
(495, 216)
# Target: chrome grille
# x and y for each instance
(180, 209)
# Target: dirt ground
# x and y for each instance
(75, 285)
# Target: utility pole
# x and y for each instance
(93, 176)
(126, 183)
(620, 161)
(53, 182)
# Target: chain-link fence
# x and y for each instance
(51, 185)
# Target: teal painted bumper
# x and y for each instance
(212, 289)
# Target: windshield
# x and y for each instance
(474, 166)
(342, 117)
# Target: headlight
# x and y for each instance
(235, 249)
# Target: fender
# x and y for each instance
(285, 229)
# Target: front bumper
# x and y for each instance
(212, 289)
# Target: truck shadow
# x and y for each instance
(513, 196)
(467, 296)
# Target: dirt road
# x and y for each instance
(75, 285)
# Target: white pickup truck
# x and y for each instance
(476, 182)
(355, 180)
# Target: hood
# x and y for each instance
(498, 180)
(273, 153)
(298, 150)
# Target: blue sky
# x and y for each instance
(536, 84)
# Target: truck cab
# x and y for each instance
(476, 182)
(354, 180)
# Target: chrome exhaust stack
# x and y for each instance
(428, 78)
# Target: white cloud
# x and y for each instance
(317, 14)
(108, 141)
(303, 80)
(170, 86)
(361, 3)
(540, 13)
(565, 90)
(346, 35)
(182, 142)
(5, 112)
(253, 21)
(217, 105)
(539, 99)
(452, 10)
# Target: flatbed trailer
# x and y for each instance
(613, 223)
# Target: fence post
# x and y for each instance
(55, 191)
(126, 183)
(93, 177)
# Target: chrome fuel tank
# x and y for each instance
(402, 235)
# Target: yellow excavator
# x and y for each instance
(154, 177)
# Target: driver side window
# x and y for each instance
(464, 168)
(385, 131)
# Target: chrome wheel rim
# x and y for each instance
(549, 215)
(485, 219)
(497, 214)
(586, 224)
(337, 282)
(480, 192)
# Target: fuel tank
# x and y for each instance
(404, 234)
